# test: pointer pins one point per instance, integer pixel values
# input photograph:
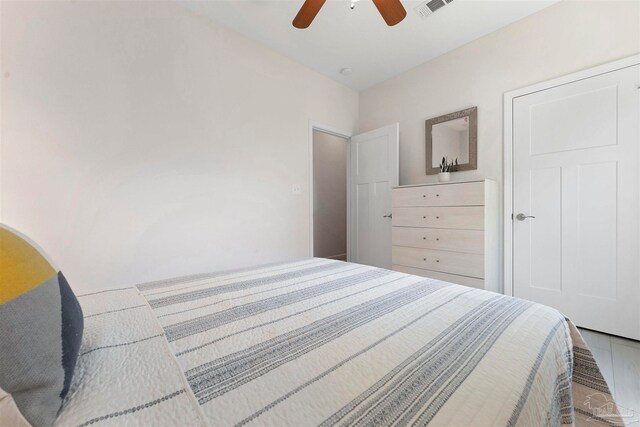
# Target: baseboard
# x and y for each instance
(340, 257)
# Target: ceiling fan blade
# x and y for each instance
(392, 11)
(307, 13)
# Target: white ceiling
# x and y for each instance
(359, 38)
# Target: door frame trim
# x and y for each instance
(313, 125)
(509, 97)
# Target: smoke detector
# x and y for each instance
(428, 7)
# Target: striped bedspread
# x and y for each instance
(322, 342)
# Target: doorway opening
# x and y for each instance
(329, 193)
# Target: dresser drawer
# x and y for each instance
(462, 194)
(471, 241)
(464, 264)
(462, 217)
(445, 277)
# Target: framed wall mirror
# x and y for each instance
(453, 136)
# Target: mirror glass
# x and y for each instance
(454, 136)
(451, 140)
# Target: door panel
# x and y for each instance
(575, 169)
(545, 231)
(374, 172)
(587, 118)
(363, 221)
(597, 223)
(382, 225)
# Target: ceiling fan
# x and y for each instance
(392, 12)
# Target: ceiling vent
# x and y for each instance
(428, 7)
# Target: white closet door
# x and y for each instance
(373, 173)
(575, 169)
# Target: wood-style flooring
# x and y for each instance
(619, 361)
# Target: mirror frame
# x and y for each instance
(472, 113)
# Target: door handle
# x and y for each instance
(522, 217)
(388, 216)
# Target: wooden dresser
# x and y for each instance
(448, 231)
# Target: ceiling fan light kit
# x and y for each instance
(392, 12)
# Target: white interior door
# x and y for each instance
(373, 173)
(575, 172)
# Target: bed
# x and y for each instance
(319, 342)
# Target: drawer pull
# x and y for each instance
(424, 195)
(424, 217)
(424, 259)
(438, 239)
(437, 260)
(437, 195)
(424, 238)
(437, 217)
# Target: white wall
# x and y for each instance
(329, 195)
(141, 142)
(564, 38)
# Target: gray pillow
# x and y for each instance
(41, 327)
